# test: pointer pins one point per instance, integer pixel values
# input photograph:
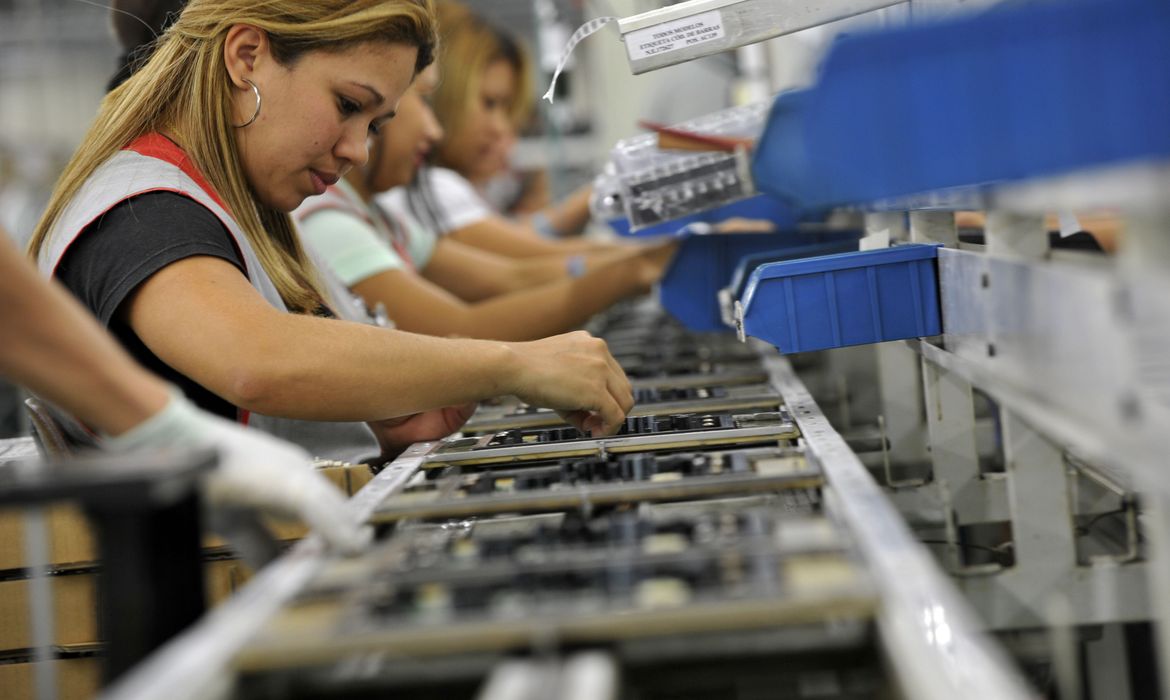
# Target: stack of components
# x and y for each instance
(691, 552)
(649, 184)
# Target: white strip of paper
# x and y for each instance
(590, 27)
(1069, 224)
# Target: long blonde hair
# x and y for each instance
(469, 45)
(185, 87)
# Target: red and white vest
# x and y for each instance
(389, 227)
(154, 163)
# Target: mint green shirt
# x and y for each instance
(356, 248)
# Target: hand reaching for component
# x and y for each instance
(575, 375)
(255, 471)
(396, 434)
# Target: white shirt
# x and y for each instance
(459, 203)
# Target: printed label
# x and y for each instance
(672, 36)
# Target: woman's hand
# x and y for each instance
(255, 471)
(654, 259)
(396, 434)
(575, 375)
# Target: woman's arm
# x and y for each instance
(419, 306)
(567, 217)
(499, 235)
(202, 317)
(474, 274)
(55, 348)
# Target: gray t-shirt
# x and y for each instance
(123, 248)
(457, 201)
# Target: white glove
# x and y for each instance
(255, 470)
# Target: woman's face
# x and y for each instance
(478, 150)
(316, 115)
(402, 146)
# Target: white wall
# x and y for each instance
(55, 60)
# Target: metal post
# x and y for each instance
(590, 675)
(900, 378)
(1105, 660)
(1145, 253)
(950, 420)
(883, 228)
(934, 227)
(1038, 495)
(520, 680)
(1011, 235)
(36, 551)
(151, 583)
(901, 371)
(1146, 242)
(1158, 512)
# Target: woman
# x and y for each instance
(171, 224)
(482, 102)
(391, 260)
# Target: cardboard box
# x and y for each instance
(75, 617)
(77, 679)
(74, 611)
(223, 577)
(359, 475)
(70, 539)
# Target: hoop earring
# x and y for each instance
(256, 91)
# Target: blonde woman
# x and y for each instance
(390, 259)
(485, 97)
(171, 224)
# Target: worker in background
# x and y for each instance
(136, 24)
(390, 259)
(171, 224)
(484, 98)
(57, 350)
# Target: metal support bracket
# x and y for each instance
(690, 30)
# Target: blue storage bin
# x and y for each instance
(704, 264)
(836, 242)
(758, 207)
(1022, 90)
(848, 299)
(830, 243)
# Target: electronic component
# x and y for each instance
(602, 481)
(639, 434)
(507, 584)
(713, 376)
(651, 401)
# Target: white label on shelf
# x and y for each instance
(1069, 224)
(875, 240)
(672, 36)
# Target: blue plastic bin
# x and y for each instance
(843, 242)
(758, 207)
(1023, 90)
(704, 264)
(848, 299)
